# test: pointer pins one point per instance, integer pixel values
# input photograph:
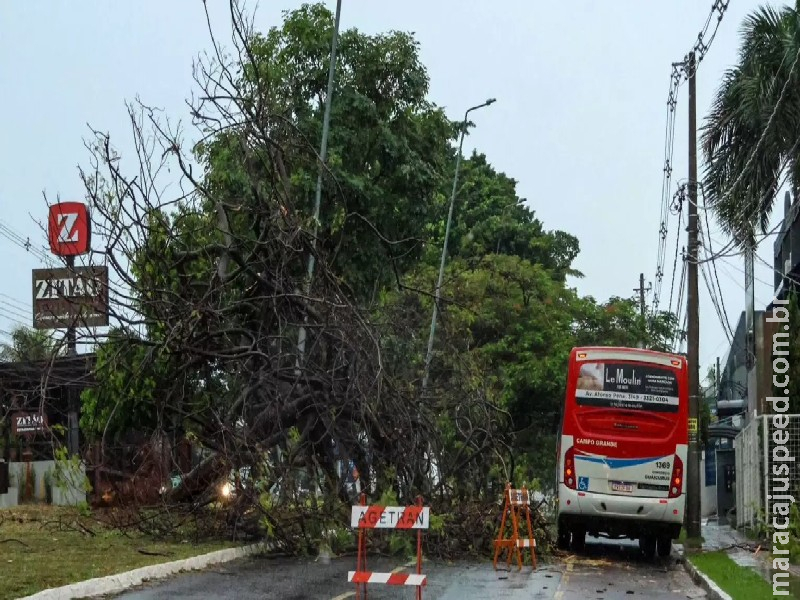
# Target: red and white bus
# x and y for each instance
(622, 448)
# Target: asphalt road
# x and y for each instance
(604, 572)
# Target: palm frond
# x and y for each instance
(749, 135)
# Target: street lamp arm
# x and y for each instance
(487, 103)
(437, 294)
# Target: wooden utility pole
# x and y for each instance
(641, 289)
(693, 320)
(642, 308)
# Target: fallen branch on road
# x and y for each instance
(148, 553)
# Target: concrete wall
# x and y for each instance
(41, 473)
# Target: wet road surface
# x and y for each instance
(605, 571)
(617, 570)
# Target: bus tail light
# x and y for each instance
(569, 468)
(676, 483)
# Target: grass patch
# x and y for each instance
(48, 546)
(742, 583)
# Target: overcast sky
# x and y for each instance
(579, 122)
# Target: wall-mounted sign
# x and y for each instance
(76, 297)
(28, 423)
(69, 229)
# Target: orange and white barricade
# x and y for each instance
(387, 517)
(517, 504)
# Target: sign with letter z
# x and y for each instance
(69, 229)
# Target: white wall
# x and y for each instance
(708, 497)
(72, 494)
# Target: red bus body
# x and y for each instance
(622, 447)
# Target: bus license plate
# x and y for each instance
(618, 486)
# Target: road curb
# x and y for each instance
(711, 588)
(120, 582)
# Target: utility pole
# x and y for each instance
(323, 157)
(719, 380)
(693, 321)
(641, 289)
(642, 309)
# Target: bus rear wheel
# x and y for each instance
(664, 546)
(563, 537)
(647, 544)
(578, 539)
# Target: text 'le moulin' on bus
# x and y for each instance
(623, 443)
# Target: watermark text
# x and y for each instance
(781, 499)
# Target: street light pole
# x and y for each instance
(429, 354)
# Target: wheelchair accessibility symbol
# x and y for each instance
(583, 484)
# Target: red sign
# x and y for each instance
(69, 229)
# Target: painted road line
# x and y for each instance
(559, 595)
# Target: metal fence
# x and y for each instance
(763, 447)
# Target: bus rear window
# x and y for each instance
(627, 386)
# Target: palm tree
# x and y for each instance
(752, 134)
(28, 345)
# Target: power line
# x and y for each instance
(15, 301)
(666, 182)
(723, 313)
(680, 197)
(679, 74)
(704, 40)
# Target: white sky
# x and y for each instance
(581, 92)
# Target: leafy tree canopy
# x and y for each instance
(29, 345)
(387, 149)
(493, 219)
(218, 279)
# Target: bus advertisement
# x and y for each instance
(622, 448)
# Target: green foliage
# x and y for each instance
(387, 149)
(29, 345)
(505, 336)
(127, 400)
(216, 279)
(67, 473)
(751, 131)
(492, 219)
